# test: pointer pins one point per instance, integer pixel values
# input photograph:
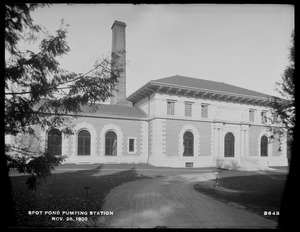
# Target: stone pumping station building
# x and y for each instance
(175, 121)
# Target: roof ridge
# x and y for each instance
(195, 78)
(123, 110)
(211, 81)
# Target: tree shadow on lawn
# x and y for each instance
(257, 193)
(82, 191)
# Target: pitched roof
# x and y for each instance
(208, 85)
(200, 88)
(107, 110)
(114, 110)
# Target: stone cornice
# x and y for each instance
(157, 87)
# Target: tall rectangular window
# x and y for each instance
(251, 115)
(204, 110)
(54, 141)
(188, 109)
(275, 119)
(170, 107)
(131, 145)
(264, 116)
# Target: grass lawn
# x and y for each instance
(257, 193)
(65, 192)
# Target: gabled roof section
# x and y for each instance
(106, 110)
(113, 110)
(200, 88)
(208, 85)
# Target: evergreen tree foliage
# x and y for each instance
(39, 93)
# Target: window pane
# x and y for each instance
(107, 150)
(80, 150)
(110, 143)
(251, 115)
(264, 117)
(114, 147)
(131, 145)
(264, 146)
(58, 150)
(188, 109)
(188, 143)
(87, 142)
(80, 142)
(170, 108)
(107, 142)
(188, 135)
(87, 151)
(111, 134)
(54, 142)
(84, 142)
(51, 150)
(185, 150)
(190, 151)
(229, 145)
(204, 111)
(84, 133)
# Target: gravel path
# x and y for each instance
(171, 201)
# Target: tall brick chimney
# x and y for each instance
(119, 48)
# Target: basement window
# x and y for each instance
(189, 164)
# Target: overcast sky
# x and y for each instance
(243, 45)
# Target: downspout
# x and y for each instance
(149, 129)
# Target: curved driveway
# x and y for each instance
(172, 202)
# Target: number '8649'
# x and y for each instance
(273, 213)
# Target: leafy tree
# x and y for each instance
(283, 109)
(39, 94)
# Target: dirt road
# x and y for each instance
(172, 202)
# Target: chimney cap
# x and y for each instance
(118, 23)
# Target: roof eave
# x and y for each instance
(115, 116)
(213, 94)
(132, 96)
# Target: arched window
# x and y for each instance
(111, 143)
(229, 145)
(264, 146)
(54, 142)
(188, 144)
(84, 143)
